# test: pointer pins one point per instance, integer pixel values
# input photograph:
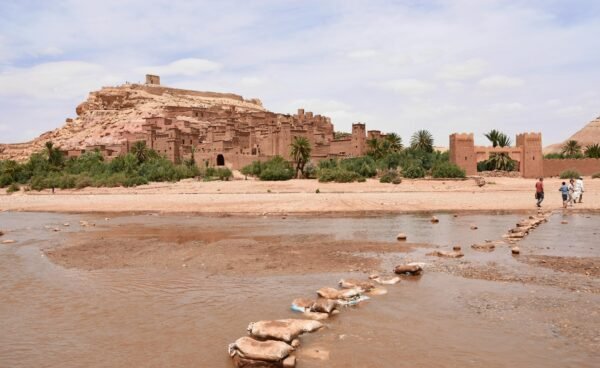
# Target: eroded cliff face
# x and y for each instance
(589, 134)
(110, 113)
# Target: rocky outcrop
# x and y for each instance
(589, 134)
(111, 113)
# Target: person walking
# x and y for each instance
(564, 190)
(579, 183)
(539, 192)
(571, 192)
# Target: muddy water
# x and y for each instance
(116, 317)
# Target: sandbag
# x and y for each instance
(302, 304)
(352, 301)
(283, 329)
(270, 351)
(387, 280)
(331, 293)
(356, 284)
(377, 291)
(323, 305)
(239, 362)
(408, 269)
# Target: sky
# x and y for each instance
(398, 66)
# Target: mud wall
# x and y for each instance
(586, 166)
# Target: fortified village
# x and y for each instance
(224, 129)
(234, 136)
(221, 129)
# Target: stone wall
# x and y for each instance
(585, 166)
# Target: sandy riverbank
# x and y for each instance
(299, 196)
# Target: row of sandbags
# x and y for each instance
(271, 343)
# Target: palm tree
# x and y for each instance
(493, 136)
(503, 140)
(140, 151)
(374, 148)
(500, 161)
(571, 148)
(395, 142)
(300, 152)
(593, 150)
(422, 140)
(55, 156)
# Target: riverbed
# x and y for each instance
(158, 290)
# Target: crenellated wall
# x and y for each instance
(585, 166)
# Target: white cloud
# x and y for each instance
(56, 80)
(362, 54)
(500, 81)
(570, 110)
(408, 86)
(252, 81)
(506, 107)
(469, 69)
(184, 67)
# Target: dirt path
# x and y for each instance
(299, 196)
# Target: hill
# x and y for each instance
(587, 135)
(113, 112)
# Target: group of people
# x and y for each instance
(571, 193)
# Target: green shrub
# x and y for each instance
(254, 169)
(397, 181)
(413, 172)
(276, 173)
(5, 180)
(337, 175)
(389, 176)
(363, 166)
(223, 173)
(570, 174)
(14, 187)
(447, 170)
(596, 175)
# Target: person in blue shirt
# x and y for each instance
(564, 189)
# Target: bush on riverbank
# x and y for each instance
(275, 169)
(390, 176)
(90, 170)
(570, 174)
(447, 170)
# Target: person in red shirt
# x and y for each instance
(539, 192)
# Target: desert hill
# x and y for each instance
(587, 135)
(112, 112)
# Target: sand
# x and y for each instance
(299, 197)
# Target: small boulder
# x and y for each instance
(412, 270)
(1, 232)
(401, 236)
(484, 247)
(434, 220)
(564, 222)
(444, 254)
(456, 248)
(474, 227)
(323, 305)
(8, 241)
(515, 250)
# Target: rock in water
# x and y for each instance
(283, 329)
(408, 270)
(441, 253)
(269, 351)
